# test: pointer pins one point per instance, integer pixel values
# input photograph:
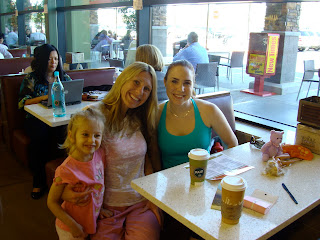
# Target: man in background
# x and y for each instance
(193, 52)
(37, 38)
(3, 48)
(12, 38)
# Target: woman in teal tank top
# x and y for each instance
(185, 123)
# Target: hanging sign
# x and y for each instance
(137, 4)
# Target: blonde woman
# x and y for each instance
(151, 54)
(130, 109)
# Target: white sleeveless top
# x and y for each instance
(125, 158)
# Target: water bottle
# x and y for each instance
(116, 74)
(58, 97)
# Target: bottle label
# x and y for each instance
(57, 103)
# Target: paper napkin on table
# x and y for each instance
(260, 201)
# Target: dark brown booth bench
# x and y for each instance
(13, 119)
(14, 65)
(18, 52)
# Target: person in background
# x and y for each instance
(12, 38)
(193, 52)
(130, 109)
(33, 90)
(151, 54)
(28, 33)
(85, 165)
(104, 44)
(37, 37)
(3, 48)
(185, 122)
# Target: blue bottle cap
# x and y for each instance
(56, 74)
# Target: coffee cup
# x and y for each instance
(233, 189)
(198, 160)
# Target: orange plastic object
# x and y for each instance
(298, 151)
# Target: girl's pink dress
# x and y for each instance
(89, 174)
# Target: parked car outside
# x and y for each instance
(314, 41)
(304, 41)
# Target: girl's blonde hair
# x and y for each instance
(142, 117)
(76, 120)
(150, 54)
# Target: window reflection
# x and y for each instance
(101, 34)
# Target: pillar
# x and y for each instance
(159, 28)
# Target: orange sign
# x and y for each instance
(273, 43)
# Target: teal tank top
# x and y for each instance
(175, 149)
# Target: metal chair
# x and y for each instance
(119, 63)
(215, 58)
(308, 76)
(206, 76)
(236, 61)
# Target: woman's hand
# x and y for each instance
(36, 100)
(77, 198)
(105, 213)
(44, 97)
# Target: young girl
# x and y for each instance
(84, 168)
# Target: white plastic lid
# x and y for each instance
(198, 154)
(233, 183)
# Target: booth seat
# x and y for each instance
(13, 119)
(18, 52)
(94, 78)
(14, 65)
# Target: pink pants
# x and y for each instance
(128, 223)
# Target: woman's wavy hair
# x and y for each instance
(150, 54)
(182, 63)
(142, 117)
(74, 123)
(39, 64)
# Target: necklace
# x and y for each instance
(186, 114)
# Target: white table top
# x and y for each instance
(171, 191)
(46, 115)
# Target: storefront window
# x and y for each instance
(220, 27)
(33, 4)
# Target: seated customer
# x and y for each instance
(3, 48)
(151, 54)
(185, 123)
(34, 89)
(36, 38)
(193, 52)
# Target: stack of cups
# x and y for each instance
(198, 159)
(233, 188)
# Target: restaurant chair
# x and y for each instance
(206, 76)
(236, 61)
(308, 76)
(119, 63)
(215, 58)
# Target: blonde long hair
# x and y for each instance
(142, 117)
(74, 123)
(150, 54)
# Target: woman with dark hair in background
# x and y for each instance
(33, 90)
